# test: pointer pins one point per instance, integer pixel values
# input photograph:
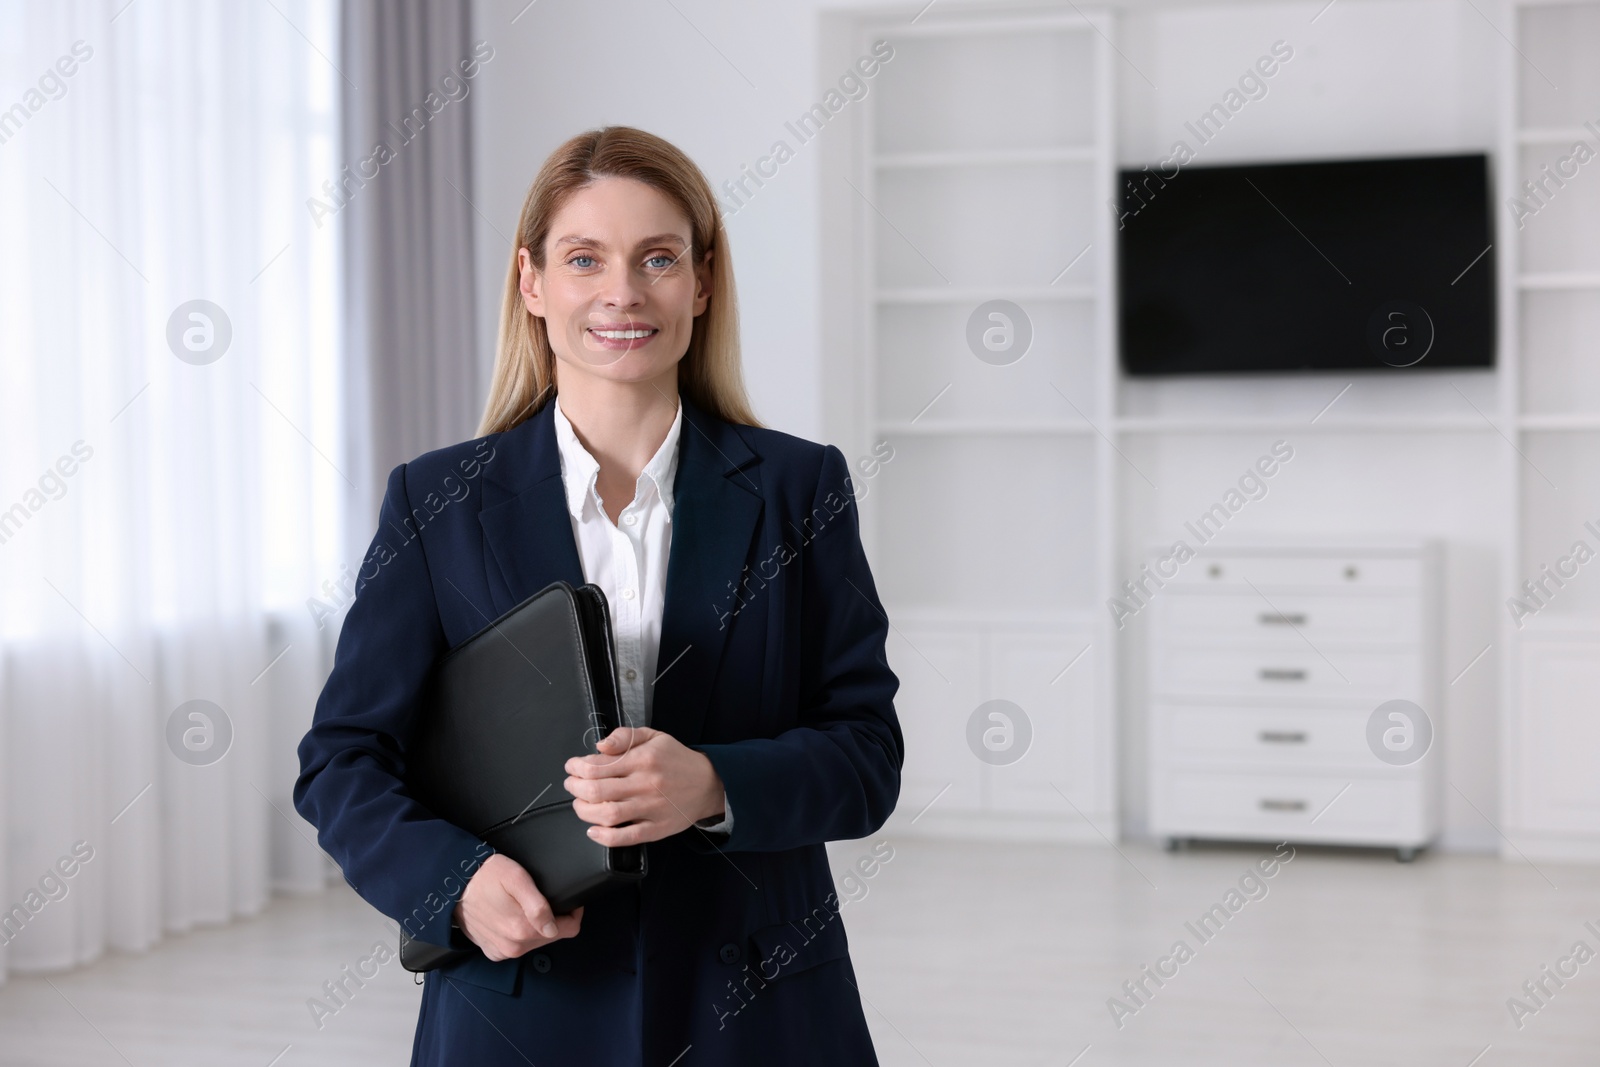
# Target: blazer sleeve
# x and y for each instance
(835, 776)
(405, 861)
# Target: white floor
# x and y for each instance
(971, 954)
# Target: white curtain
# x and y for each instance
(171, 472)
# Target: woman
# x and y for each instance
(618, 447)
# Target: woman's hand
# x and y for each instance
(504, 913)
(647, 779)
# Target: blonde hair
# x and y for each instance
(524, 363)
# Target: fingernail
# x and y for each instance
(550, 930)
(592, 831)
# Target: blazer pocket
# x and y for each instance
(786, 948)
(480, 970)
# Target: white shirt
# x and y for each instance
(628, 561)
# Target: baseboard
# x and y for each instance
(1550, 848)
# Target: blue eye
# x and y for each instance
(574, 261)
(670, 260)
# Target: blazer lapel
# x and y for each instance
(716, 507)
(524, 517)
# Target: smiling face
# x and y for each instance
(619, 292)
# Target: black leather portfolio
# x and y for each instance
(505, 710)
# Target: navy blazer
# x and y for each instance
(771, 663)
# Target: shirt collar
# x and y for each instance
(580, 471)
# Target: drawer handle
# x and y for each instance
(1283, 737)
(1283, 674)
(1279, 618)
(1268, 804)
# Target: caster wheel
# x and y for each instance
(1173, 844)
(1405, 855)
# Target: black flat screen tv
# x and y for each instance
(1379, 264)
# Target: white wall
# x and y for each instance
(1375, 77)
(1368, 77)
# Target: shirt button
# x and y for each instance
(627, 594)
(630, 674)
(629, 520)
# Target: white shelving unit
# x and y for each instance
(982, 155)
(1019, 498)
(1550, 341)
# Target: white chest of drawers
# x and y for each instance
(1266, 664)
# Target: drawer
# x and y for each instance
(1270, 738)
(1390, 810)
(1266, 572)
(1194, 670)
(1290, 618)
